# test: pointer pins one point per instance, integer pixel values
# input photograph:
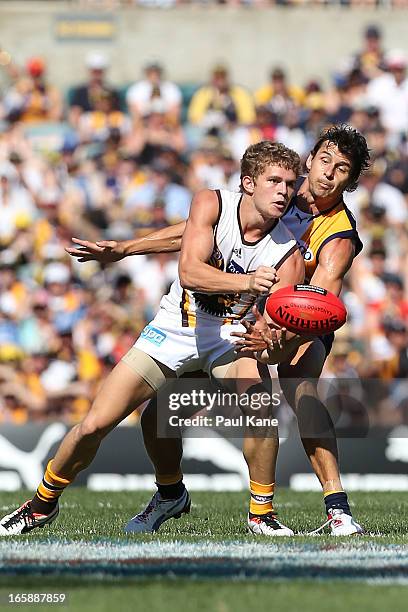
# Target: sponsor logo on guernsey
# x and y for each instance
(154, 335)
(306, 252)
(235, 268)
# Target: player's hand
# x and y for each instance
(274, 338)
(252, 340)
(261, 281)
(104, 251)
(278, 348)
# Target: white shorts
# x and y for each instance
(186, 349)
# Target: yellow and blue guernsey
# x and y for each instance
(313, 232)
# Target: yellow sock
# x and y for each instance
(52, 486)
(261, 497)
(169, 479)
(326, 493)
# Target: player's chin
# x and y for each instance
(278, 209)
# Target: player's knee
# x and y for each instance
(305, 389)
(91, 428)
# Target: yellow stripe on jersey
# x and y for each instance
(322, 229)
(188, 318)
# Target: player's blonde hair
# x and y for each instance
(260, 155)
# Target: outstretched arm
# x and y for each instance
(166, 240)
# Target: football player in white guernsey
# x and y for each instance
(326, 234)
(193, 328)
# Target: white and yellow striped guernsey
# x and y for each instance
(232, 254)
(312, 232)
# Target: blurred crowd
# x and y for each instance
(259, 3)
(105, 162)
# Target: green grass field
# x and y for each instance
(206, 560)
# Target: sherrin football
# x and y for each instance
(306, 309)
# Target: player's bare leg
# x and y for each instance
(164, 453)
(298, 381)
(121, 393)
(260, 448)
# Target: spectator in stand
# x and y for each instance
(394, 304)
(154, 94)
(85, 97)
(370, 60)
(374, 191)
(97, 125)
(278, 95)
(32, 99)
(213, 167)
(156, 133)
(390, 359)
(158, 192)
(239, 138)
(221, 102)
(363, 116)
(36, 331)
(389, 93)
(367, 276)
(16, 203)
(314, 118)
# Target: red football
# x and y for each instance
(306, 309)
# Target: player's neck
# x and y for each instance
(307, 202)
(253, 225)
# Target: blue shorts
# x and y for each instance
(327, 340)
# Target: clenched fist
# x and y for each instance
(261, 281)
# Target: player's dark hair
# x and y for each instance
(350, 143)
(260, 155)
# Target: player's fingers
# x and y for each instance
(256, 313)
(270, 276)
(90, 258)
(274, 337)
(80, 241)
(106, 244)
(283, 337)
(266, 338)
(265, 284)
(238, 334)
(73, 251)
(87, 244)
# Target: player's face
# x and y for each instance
(329, 172)
(272, 190)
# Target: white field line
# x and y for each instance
(366, 555)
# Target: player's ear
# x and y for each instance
(248, 184)
(309, 161)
